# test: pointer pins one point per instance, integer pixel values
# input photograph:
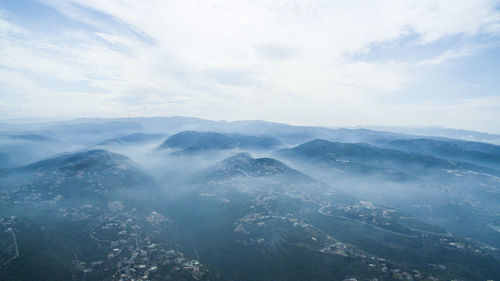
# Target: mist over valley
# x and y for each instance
(191, 199)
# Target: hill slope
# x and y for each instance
(364, 158)
(192, 141)
(472, 152)
(87, 173)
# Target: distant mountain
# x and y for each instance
(364, 158)
(96, 215)
(80, 161)
(132, 139)
(458, 150)
(86, 133)
(5, 161)
(444, 132)
(32, 137)
(93, 172)
(89, 131)
(25, 148)
(192, 141)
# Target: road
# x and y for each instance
(321, 211)
(15, 244)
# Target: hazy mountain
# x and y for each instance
(356, 203)
(132, 139)
(75, 216)
(5, 161)
(192, 141)
(99, 129)
(88, 173)
(32, 137)
(468, 135)
(242, 172)
(86, 133)
(264, 212)
(437, 189)
(364, 158)
(89, 131)
(244, 165)
(25, 148)
(473, 152)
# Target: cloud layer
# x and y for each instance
(328, 63)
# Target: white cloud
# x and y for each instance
(238, 59)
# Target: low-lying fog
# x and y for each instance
(215, 182)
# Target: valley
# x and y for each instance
(221, 207)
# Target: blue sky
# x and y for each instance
(330, 63)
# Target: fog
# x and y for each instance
(210, 195)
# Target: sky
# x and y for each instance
(328, 63)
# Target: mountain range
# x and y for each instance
(190, 199)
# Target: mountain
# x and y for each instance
(450, 193)
(87, 173)
(132, 139)
(244, 165)
(88, 131)
(364, 158)
(87, 216)
(444, 133)
(266, 213)
(5, 161)
(192, 141)
(337, 204)
(32, 137)
(457, 150)
(243, 173)
(25, 148)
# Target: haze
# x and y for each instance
(329, 63)
(264, 140)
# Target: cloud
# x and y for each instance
(455, 53)
(208, 58)
(276, 52)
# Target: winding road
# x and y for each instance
(321, 211)
(15, 244)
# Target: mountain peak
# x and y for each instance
(243, 164)
(96, 158)
(200, 141)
